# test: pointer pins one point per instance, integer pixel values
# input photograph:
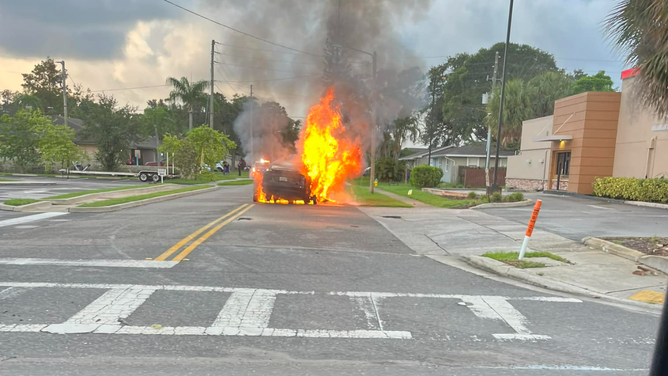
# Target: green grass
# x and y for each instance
(82, 193)
(511, 258)
(116, 201)
(20, 201)
(234, 174)
(362, 195)
(427, 198)
(8, 180)
(236, 182)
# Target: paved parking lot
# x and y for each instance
(576, 217)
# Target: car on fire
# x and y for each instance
(283, 181)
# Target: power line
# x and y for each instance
(241, 32)
(276, 79)
(271, 60)
(265, 69)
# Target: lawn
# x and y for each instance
(402, 189)
(77, 194)
(116, 201)
(234, 174)
(362, 195)
(8, 180)
(20, 201)
(236, 182)
(510, 258)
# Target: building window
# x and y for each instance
(473, 162)
(447, 165)
(563, 164)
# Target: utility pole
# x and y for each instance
(372, 174)
(213, 46)
(430, 134)
(251, 126)
(64, 79)
(495, 187)
(489, 128)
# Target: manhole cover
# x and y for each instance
(354, 226)
(243, 219)
(392, 216)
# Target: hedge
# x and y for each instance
(632, 189)
(426, 176)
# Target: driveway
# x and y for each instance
(577, 217)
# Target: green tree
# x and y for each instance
(639, 29)
(56, 146)
(111, 128)
(598, 82)
(45, 83)
(201, 146)
(19, 138)
(545, 88)
(467, 80)
(516, 109)
(191, 94)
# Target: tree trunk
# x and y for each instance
(190, 120)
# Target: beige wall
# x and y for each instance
(591, 118)
(528, 165)
(633, 156)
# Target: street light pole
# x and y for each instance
(213, 49)
(495, 186)
(372, 174)
(64, 79)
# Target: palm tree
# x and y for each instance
(639, 29)
(192, 95)
(516, 109)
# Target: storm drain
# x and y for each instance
(243, 219)
(392, 216)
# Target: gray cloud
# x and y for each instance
(83, 29)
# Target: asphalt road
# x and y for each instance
(576, 217)
(280, 290)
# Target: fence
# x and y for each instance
(474, 177)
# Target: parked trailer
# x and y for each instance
(152, 176)
(143, 175)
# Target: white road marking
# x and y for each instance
(600, 207)
(26, 226)
(108, 309)
(247, 312)
(367, 306)
(29, 218)
(93, 263)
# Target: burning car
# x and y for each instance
(283, 181)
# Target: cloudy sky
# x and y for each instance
(113, 45)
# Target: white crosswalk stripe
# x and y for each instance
(248, 312)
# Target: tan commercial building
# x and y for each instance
(593, 134)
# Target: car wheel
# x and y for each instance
(143, 177)
(314, 200)
(156, 178)
(254, 198)
(220, 169)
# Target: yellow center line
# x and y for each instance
(203, 238)
(192, 236)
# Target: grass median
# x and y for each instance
(236, 182)
(82, 193)
(510, 258)
(8, 180)
(363, 196)
(124, 200)
(20, 201)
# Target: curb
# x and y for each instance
(104, 209)
(527, 202)
(25, 208)
(659, 263)
(21, 183)
(497, 267)
(78, 199)
(647, 204)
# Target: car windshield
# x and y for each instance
(333, 187)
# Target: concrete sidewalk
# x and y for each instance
(448, 236)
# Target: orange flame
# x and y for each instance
(329, 156)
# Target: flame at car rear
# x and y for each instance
(328, 153)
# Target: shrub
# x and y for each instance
(514, 197)
(426, 176)
(496, 197)
(472, 195)
(633, 189)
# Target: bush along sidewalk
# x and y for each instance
(632, 189)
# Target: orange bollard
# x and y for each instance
(532, 223)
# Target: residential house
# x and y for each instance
(139, 153)
(451, 158)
